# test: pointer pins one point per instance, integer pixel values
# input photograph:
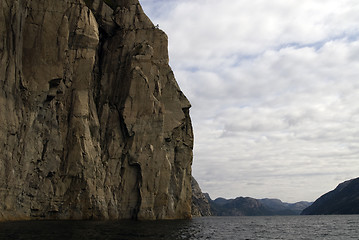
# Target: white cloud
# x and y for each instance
(274, 87)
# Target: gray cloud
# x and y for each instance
(274, 87)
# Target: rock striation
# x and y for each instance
(344, 199)
(92, 122)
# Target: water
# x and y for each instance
(278, 227)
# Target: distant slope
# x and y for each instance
(241, 206)
(246, 206)
(277, 207)
(344, 199)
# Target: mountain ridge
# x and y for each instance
(344, 199)
(247, 206)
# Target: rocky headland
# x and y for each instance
(92, 122)
(344, 199)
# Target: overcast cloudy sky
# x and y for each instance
(274, 87)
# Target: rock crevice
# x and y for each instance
(92, 122)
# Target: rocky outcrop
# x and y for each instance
(200, 204)
(92, 122)
(344, 199)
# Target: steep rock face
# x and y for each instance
(344, 199)
(200, 204)
(92, 122)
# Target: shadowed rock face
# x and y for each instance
(344, 199)
(92, 122)
(200, 203)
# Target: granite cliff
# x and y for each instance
(92, 122)
(344, 199)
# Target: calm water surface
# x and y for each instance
(278, 227)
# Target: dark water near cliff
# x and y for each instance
(287, 227)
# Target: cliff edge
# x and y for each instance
(92, 122)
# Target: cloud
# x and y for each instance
(274, 87)
(213, 30)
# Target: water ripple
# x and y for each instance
(238, 228)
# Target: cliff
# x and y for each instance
(344, 199)
(200, 203)
(92, 122)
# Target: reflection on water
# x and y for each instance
(277, 227)
(94, 229)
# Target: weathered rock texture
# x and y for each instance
(200, 203)
(92, 122)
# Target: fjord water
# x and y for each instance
(276, 227)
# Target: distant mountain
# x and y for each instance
(282, 208)
(246, 206)
(344, 199)
(241, 206)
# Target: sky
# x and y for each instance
(274, 88)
